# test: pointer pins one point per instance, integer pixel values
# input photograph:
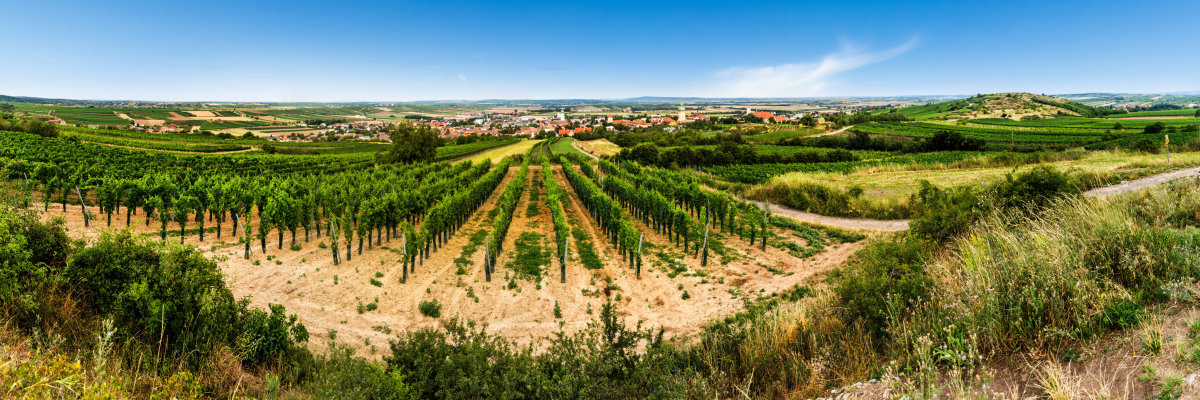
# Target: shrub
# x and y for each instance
(432, 309)
(943, 213)
(174, 293)
(883, 272)
(33, 257)
(340, 374)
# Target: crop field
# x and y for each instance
(1163, 113)
(299, 114)
(781, 135)
(452, 152)
(899, 181)
(759, 173)
(230, 124)
(564, 146)
(600, 147)
(497, 154)
(486, 240)
(1048, 136)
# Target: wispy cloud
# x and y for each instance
(806, 79)
(462, 77)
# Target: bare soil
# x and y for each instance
(304, 280)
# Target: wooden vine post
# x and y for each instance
(563, 267)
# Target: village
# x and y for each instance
(518, 124)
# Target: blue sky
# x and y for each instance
(401, 51)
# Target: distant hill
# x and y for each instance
(1016, 106)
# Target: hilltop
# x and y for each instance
(1015, 106)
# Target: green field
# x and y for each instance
(564, 146)
(1163, 113)
(780, 135)
(230, 124)
(498, 154)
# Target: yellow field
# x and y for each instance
(895, 182)
(600, 147)
(498, 154)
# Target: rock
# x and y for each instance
(1189, 380)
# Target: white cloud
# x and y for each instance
(462, 77)
(796, 80)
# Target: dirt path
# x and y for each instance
(840, 222)
(575, 143)
(1139, 184)
(832, 133)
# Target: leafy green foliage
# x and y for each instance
(430, 308)
(530, 257)
(887, 271)
(177, 295)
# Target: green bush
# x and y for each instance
(943, 213)
(601, 362)
(176, 295)
(883, 272)
(339, 374)
(32, 261)
(431, 309)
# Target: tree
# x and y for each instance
(411, 144)
(808, 120)
(1157, 127)
(7, 108)
(1118, 126)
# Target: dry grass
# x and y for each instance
(897, 182)
(499, 153)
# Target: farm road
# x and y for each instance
(575, 143)
(1139, 184)
(833, 133)
(851, 223)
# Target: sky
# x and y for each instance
(379, 51)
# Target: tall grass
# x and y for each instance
(801, 193)
(1076, 270)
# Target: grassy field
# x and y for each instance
(773, 136)
(498, 154)
(600, 147)
(897, 182)
(1163, 113)
(230, 124)
(564, 147)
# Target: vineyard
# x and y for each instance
(760, 173)
(351, 245)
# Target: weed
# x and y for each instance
(557, 310)
(430, 308)
(1152, 337)
(530, 257)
